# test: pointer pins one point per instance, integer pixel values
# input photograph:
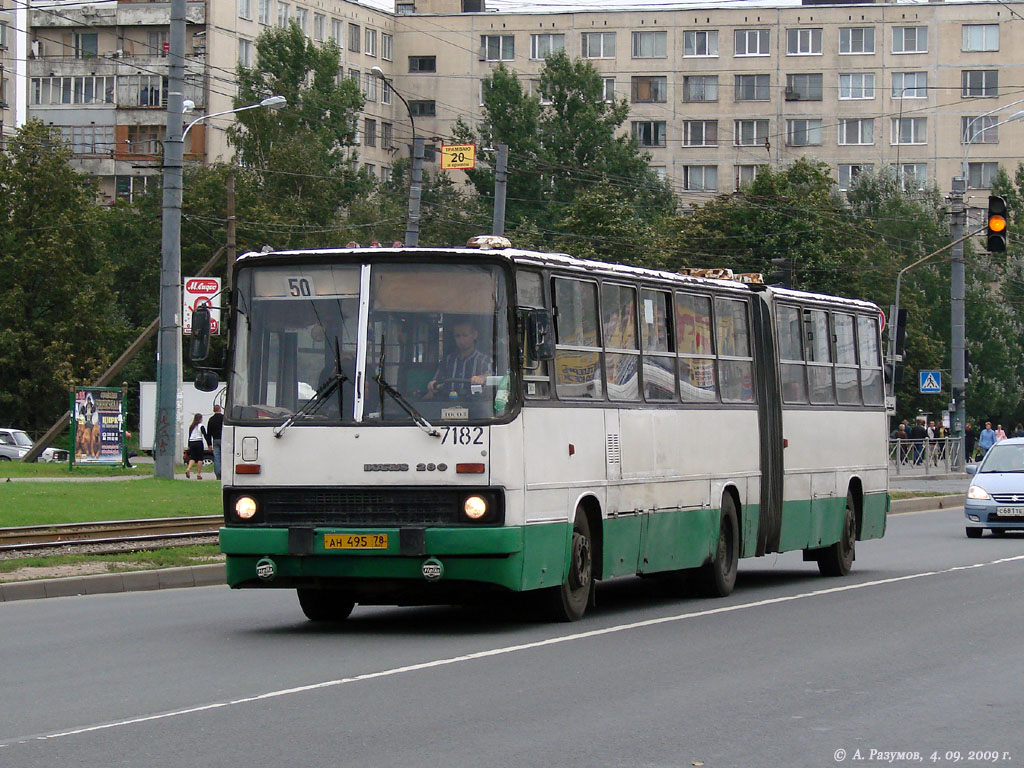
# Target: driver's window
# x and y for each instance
(530, 295)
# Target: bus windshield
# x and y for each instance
(335, 343)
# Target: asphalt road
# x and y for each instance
(918, 650)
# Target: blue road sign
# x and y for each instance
(931, 382)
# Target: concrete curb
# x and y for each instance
(926, 503)
(107, 583)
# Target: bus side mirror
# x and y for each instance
(206, 380)
(199, 347)
(541, 335)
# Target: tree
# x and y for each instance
(57, 306)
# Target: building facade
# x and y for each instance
(714, 93)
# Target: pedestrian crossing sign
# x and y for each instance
(931, 382)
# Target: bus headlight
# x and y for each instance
(245, 507)
(475, 507)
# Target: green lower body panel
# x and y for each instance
(678, 539)
(873, 519)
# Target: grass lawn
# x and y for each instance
(84, 501)
(16, 469)
(49, 567)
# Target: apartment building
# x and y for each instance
(714, 93)
(7, 91)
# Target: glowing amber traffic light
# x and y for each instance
(996, 237)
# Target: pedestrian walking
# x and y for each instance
(987, 438)
(1000, 435)
(212, 433)
(195, 447)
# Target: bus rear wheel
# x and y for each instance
(718, 577)
(569, 601)
(837, 560)
(325, 605)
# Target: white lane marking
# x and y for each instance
(506, 650)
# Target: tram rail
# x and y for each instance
(114, 533)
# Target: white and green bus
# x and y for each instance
(614, 421)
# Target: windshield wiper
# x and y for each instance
(420, 422)
(311, 406)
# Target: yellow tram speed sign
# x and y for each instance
(459, 157)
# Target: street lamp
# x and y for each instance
(168, 364)
(412, 227)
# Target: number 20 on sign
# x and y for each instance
(458, 157)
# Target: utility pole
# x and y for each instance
(231, 245)
(957, 317)
(168, 362)
(500, 182)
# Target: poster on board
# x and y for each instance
(97, 425)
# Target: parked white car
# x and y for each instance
(14, 444)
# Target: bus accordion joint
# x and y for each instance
(466, 468)
(247, 469)
(723, 273)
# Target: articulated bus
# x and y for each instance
(614, 421)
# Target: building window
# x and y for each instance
(753, 88)
(979, 82)
(598, 45)
(700, 42)
(263, 11)
(803, 42)
(804, 87)
(423, 64)
(319, 27)
(909, 85)
(909, 130)
(542, 46)
(145, 90)
(700, 88)
(751, 42)
(283, 11)
(649, 133)
(370, 90)
(302, 19)
(86, 45)
(700, 178)
(498, 47)
(385, 92)
(981, 175)
(650, 45)
(88, 89)
(371, 42)
(700, 133)
(370, 132)
(803, 133)
(387, 46)
(911, 175)
(647, 89)
(387, 135)
(750, 133)
(857, 130)
(981, 37)
(338, 31)
(385, 174)
(88, 139)
(857, 85)
(910, 39)
(609, 90)
(245, 9)
(745, 174)
(158, 41)
(244, 52)
(660, 171)
(354, 35)
(423, 108)
(854, 40)
(979, 130)
(145, 139)
(130, 187)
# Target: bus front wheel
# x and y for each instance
(718, 577)
(569, 602)
(325, 604)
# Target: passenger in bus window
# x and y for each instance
(463, 367)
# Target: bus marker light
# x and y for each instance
(464, 468)
(572, 449)
(475, 507)
(266, 569)
(432, 569)
(247, 469)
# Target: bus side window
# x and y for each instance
(791, 354)
(577, 344)
(735, 363)
(847, 376)
(622, 353)
(819, 356)
(659, 351)
(697, 382)
(536, 374)
(870, 362)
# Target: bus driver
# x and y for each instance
(463, 367)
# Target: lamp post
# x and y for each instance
(412, 227)
(168, 364)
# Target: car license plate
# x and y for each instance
(355, 541)
(1010, 512)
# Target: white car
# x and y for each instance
(14, 444)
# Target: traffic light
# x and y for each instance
(782, 273)
(996, 239)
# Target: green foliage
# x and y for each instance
(57, 306)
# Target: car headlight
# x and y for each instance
(977, 492)
(475, 507)
(245, 507)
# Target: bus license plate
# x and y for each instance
(1010, 512)
(355, 541)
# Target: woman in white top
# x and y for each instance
(195, 447)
